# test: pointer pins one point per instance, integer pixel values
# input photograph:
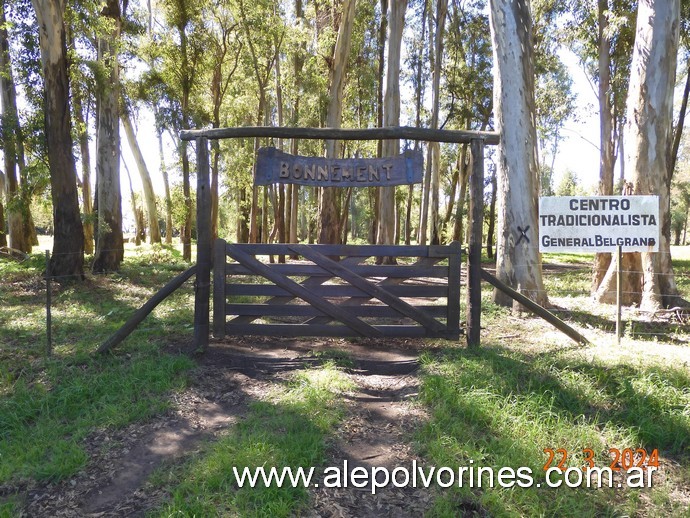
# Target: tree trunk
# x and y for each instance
(492, 219)
(518, 262)
(678, 130)
(329, 206)
(16, 211)
(391, 117)
(166, 184)
(435, 147)
(3, 236)
(455, 178)
(607, 151)
(293, 189)
(254, 214)
(85, 155)
(649, 276)
(67, 259)
(419, 91)
(186, 84)
(464, 167)
(383, 28)
(138, 227)
(149, 195)
(186, 230)
(279, 207)
(109, 241)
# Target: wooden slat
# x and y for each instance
(367, 270)
(421, 261)
(371, 289)
(219, 289)
(311, 282)
(342, 250)
(293, 330)
(332, 290)
(301, 310)
(297, 289)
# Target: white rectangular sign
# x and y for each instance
(599, 223)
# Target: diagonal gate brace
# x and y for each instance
(300, 291)
(373, 290)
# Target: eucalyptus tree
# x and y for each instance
(434, 148)
(109, 239)
(603, 39)
(177, 63)
(648, 136)
(468, 99)
(518, 262)
(147, 184)
(329, 215)
(18, 210)
(263, 32)
(226, 48)
(391, 117)
(3, 236)
(68, 242)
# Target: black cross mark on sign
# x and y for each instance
(523, 235)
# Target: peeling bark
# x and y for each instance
(518, 263)
(67, 260)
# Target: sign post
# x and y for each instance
(613, 224)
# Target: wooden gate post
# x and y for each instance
(474, 255)
(203, 246)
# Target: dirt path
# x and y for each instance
(229, 375)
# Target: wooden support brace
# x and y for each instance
(535, 308)
(300, 291)
(369, 288)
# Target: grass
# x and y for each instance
(49, 406)
(501, 407)
(528, 388)
(291, 429)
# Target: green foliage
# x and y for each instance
(569, 185)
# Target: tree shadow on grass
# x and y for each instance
(497, 408)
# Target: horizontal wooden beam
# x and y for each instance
(357, 250)
(300, 291)
(336, 290)
(366, 270)
(293, 330)
(388, 133)
(304, 310)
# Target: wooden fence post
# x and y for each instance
(219, 299)
(203, 246)
(474, 255)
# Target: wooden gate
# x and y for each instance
(337, 290)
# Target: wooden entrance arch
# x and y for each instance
(475, 139)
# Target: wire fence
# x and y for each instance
(567, 285)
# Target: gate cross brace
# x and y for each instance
(375, 291)
(309, 282)
(300, 291)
